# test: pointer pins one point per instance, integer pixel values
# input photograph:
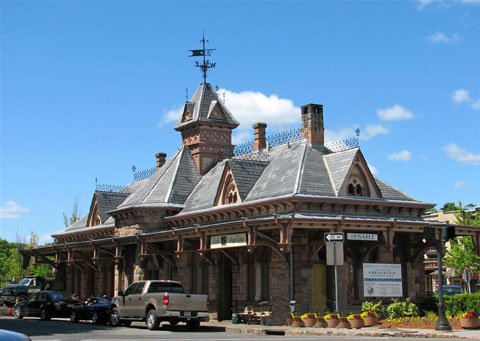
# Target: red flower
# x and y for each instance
(470, 315)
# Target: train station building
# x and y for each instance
(246, 224)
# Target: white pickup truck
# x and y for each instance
(156, 301)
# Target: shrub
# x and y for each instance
(457, 304)
(401, 309)
(378, 307)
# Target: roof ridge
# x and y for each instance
(170, 189)
(301, 169)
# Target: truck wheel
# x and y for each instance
(152, 321)
(19, 299)
(74, 317)
(115, 318)
(193, 324)
(95, 318)
(18, 314)
(44, 314)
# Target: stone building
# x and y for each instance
(246, 224)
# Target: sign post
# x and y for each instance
(331, 240)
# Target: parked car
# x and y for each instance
(157, 301)
(14, 293)
(45, 304)
(95, 309)
(451, 289)
(13, 336)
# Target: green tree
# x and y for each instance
(69, 220)
(462, 255)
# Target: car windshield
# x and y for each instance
(56, 296)
(25, 281)
(166, 287)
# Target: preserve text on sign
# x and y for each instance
(228, 240)
(382, 280)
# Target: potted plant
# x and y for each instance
(356, 321)
(297, 321)
(332, 319)
(469, 320)
(344, 323)
(290, 319)
(370, 318)
(309, 319)
(321, 323)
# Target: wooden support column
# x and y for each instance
(389, 235)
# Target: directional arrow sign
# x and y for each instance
(334, 237)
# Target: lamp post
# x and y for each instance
(442, 321)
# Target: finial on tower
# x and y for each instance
(205, 65)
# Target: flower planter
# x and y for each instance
(357, 323)
(321, 324)
(289, 321)
(370, 321)
(297, 323)
(309, 322)
(470, 323)
(344, 324)
(332, 323)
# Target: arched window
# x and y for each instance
(351, 190)
(359, 190)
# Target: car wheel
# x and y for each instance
(44, 314)
(18, 314)
(74, 317)
(152, 321)
(95, 318)
(115, 318)
(193, 324)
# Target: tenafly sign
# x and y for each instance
(371, 237)
(228, 240)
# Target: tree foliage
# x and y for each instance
(462, 255)
(73, 217)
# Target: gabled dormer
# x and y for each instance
(359, 180)
(227, 190)
(103, 202)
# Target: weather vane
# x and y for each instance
(205, 65)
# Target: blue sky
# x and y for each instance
(90, 88)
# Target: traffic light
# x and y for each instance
(450, 232)
(429, 234)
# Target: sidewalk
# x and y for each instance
(365, 332)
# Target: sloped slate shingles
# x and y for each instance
(108, 201)
(338, 165)
(391, 193)
(280, 176)
(246, 173)
(315, 179)
(186, 178)
(79, 224)
(203, 196)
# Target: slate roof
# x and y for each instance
(289, 169)
(171, 184)
(201, 106)
(79, 224)
(108, 201)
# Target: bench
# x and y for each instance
(255, 314)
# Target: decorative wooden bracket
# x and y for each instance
(118, 253)
(266, 240)
(232, 259)
(388, 235)
(251, 238)
(317, 246)
(207, 259)
(286, 233)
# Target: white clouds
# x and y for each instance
(425, 3)
(403, 155)
(460, 184)
(461, 155)
(462, 96)
(171, 115)
(395, 113)
(422, 4)
(440, 37)
(372, 130)
(373, 169)
(12, 210)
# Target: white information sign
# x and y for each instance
(228, 240)
(382, 280)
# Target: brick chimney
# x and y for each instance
(312, 124)
(160, 159)
(259, 140)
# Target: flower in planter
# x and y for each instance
(368, 314)
(468, 315)
(331, 316)
(309, 316)
(354, 317)
(343, 319)
(320, 318)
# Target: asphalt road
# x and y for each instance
(64, 330)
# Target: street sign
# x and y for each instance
(370, 237)
(334, 254)
(334, 237)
